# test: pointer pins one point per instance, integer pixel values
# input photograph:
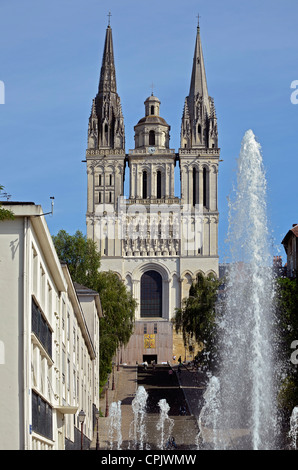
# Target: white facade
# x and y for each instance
(49, 371)
(154, 240)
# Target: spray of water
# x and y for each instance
(293, 434)
(115, 434)
(138, 426)
(165, 424)
(247, 412)
(210, 415)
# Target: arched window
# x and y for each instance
(205, 187)
(151, 138)
(151, 294)
(152, 109)
(144, 184)
(106, 134)
(158, 185)
(199, 129)
(194, 187)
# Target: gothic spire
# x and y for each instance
(198, 84)
(106, 126)
(199, 128)
(107, 80)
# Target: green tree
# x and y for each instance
(81, 256)
(287, 324)
(196, 318)
(83, 260)
(116, 327)
(5, 214)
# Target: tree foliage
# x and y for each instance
(196, 318)
(116, 327)
(81, 256)
(287, 314)
(83, 260)
(5, 214)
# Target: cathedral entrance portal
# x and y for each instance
(149, 358)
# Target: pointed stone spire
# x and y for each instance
(108, 72)
(199, 107)
(106, 126)
(198, 84)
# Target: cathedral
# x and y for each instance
(156, 242)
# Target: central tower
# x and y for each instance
(155, 242)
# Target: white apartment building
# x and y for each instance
(49, 362)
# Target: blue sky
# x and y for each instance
(50, 58)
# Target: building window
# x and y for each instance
(145, 328)
(151, 294)
(152, 109)
(110, 180)
(99, 180)
(155, 328)
(205, 189)
(41, 329)
(194, 187)
(42, 420)
(144, 184)
(151, 138)
(158, 188)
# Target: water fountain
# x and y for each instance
(165, 424)
(115, 434)
(138, 426)
(246, 414)
(293, 434)
(209, 415)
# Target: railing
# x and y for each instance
(41, 443)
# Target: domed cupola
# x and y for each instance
(152, 130)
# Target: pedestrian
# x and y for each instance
(180, 360)
(171, 444)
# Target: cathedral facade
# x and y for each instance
(154, 241)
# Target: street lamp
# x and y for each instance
(82, 416)
(97, 437)
(107, 404)
(113, 377)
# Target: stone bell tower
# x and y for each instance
(105, 153)
(199, 154)
(152, 162)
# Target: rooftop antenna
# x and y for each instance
(52, 208)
